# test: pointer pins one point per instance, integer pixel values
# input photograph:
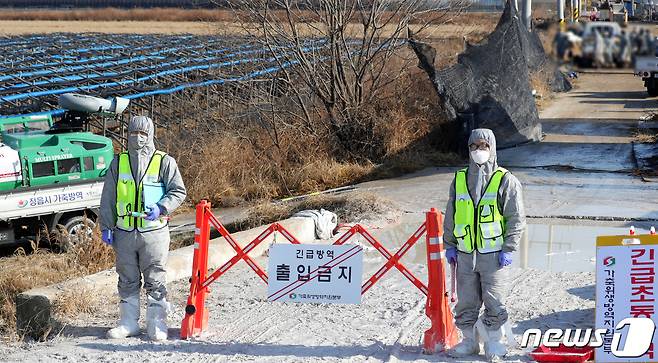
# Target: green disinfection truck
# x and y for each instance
(51, 173)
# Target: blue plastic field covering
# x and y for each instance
(126, 82)
(70, 58)
(36, 69)
(204, 60)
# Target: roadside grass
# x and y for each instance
(350, 207)
(543, 93)
(36, 266)
(643, 136)
(77, 300)
(404, 130)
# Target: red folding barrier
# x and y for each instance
(441, 335)
(443, 332)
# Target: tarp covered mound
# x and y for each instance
(490, 84)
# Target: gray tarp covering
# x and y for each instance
(489, 87)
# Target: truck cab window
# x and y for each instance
(37, 126)
(87, 145)
(13, 128)
(89, 163)
(46, 168)
(68, 166)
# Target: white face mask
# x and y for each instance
(136, 142)
(480, 156)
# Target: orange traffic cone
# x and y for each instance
(442, 335)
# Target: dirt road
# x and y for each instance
(581, 170)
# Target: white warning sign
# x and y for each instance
(311, 273)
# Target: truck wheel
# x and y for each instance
(652, 87)
(652, 91)
(75, 230)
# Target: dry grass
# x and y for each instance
(351, 207)
(78, 300)
(200, 21)
(114, 14)
(643, 136)
(40, 267)
(401, 132)
(539, 83)
(224, 28)
(206, 15)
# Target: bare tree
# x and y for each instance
(339, 55)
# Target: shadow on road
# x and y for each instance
(619, 95)
(569, 319)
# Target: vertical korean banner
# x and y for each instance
(626, 287)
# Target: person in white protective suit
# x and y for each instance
(142, 187)
(483, 225)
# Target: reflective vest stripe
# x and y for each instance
(125, 188)
(463, 213)
(482, 227)
(130, 195)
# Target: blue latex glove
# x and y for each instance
(504, 258)
(451, 255)
(153, 212)
(107, 237)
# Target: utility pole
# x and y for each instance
(560, 13)
(527, 14)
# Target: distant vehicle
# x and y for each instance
(51, 172)
(605, 28)
(594, 33)
(614, 11)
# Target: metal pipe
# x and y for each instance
(527, 14)
(524, 248)
(550, 247)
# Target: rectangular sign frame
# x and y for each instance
(626, 268)
(315, 273)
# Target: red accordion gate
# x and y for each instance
(441, 335)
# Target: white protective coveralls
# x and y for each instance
(141, 253)
(479, 276)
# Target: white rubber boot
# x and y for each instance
(156, 318)
(128, 325)
(494, 349)
(468, 346)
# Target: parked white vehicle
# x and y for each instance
(31, 209)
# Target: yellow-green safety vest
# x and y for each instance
(131, 198)
(485, 229)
